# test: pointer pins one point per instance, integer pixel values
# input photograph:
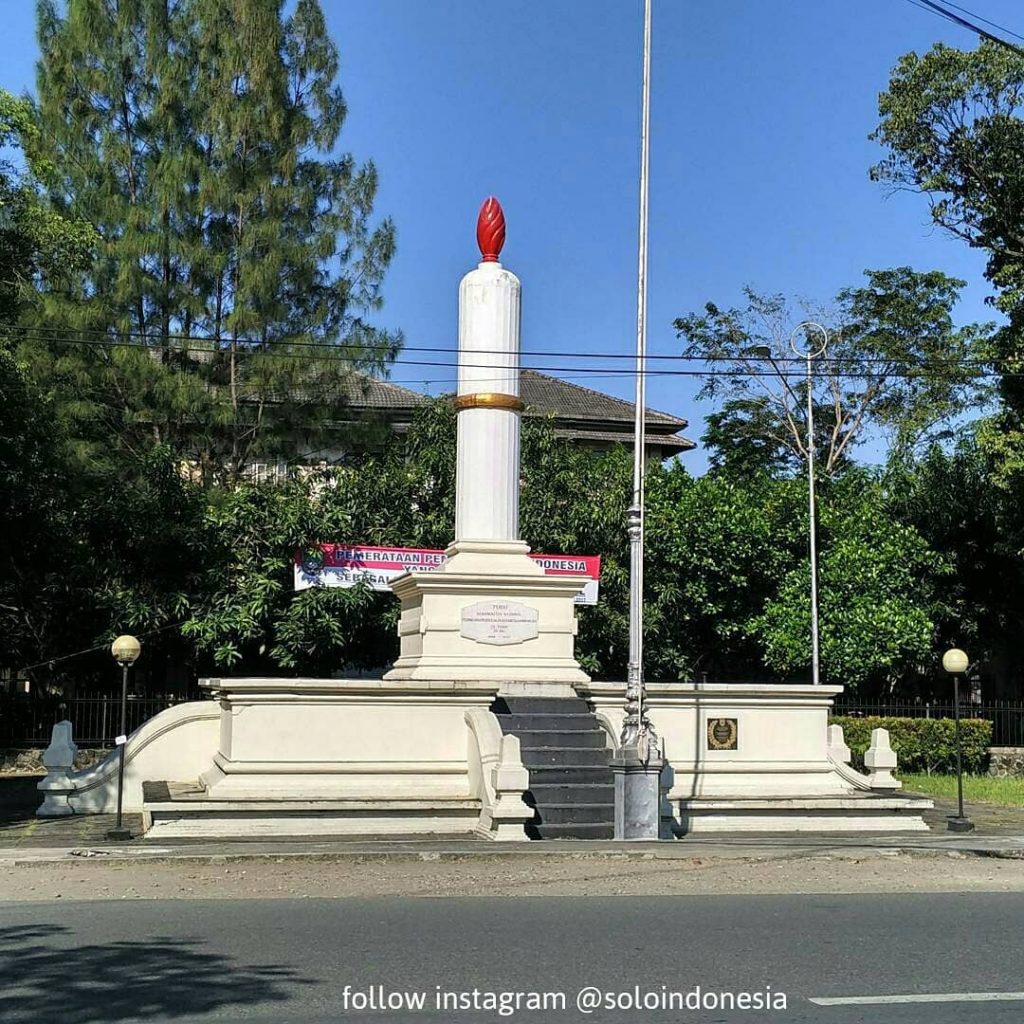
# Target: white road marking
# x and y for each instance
(923, 997)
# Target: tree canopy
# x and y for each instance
(237, 256)
(895, 363)
(950, 122)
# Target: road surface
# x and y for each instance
(318, 960)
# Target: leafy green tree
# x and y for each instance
(196, 136)
(717, 550)
(85, 556)
(726, 565)
(34, 488)
(950, 499)
(35, 240)
(879, 594)
(728, 575)
(743, 440)
(895, 364)
(573, 500)
(950, 122)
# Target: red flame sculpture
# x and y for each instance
(490, 230)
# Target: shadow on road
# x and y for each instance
(46, 980)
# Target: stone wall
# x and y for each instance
(1006, 762)
(30, 761)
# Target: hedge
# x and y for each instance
(922, 744)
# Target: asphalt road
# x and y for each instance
(289, 961)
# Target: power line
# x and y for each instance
(1002, 28)
(74, 336)
(935, 8)
(851, 370)
(312, 391)
(98, 647)
(101, 340)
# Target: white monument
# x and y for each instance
(423, 751)
(490, 613)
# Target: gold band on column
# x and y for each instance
(488, 400)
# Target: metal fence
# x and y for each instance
(1007, 717)
(28, 720)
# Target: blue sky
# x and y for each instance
(759, 159)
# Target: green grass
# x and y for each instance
(977, 788)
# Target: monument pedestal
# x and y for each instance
(490, 614)
(756, 757)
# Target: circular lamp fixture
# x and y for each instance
(126, 650)
(955, 661)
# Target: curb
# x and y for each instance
(722, 854)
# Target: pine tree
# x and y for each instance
(198, 137)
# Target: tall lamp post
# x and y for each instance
(810, 353)
(126, 650)
(955, 662)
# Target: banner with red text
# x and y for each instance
(345, 565)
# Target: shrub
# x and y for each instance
(922, 744)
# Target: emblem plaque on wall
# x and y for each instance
(723, 733)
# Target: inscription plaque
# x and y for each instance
(723, 733)
(499, 622)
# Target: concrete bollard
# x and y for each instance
(510, 780)
(59, 761)
(837, 749)
(880, 761)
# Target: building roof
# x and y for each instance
(579, 412)
(671, 444)
(545, 395)
(369, 392)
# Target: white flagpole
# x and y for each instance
(636, 729)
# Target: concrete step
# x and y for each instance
(566, 751)
(174, 810)
(569, 774)
(574, 793)
(559, 723)
(593, 739)
(540, 706)
(580, 814)
(570, 830)
(541, 757)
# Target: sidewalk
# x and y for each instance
(27, 839)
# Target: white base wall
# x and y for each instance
(178, 743)
(320, 757)
(427, 757)
(777, 776)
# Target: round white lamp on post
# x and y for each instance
(955, 662)
(126, 650)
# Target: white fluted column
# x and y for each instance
(489, 612)
(487, 472)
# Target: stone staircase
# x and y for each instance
(565, 750)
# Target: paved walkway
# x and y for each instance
(19, 826)
(24, 837)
